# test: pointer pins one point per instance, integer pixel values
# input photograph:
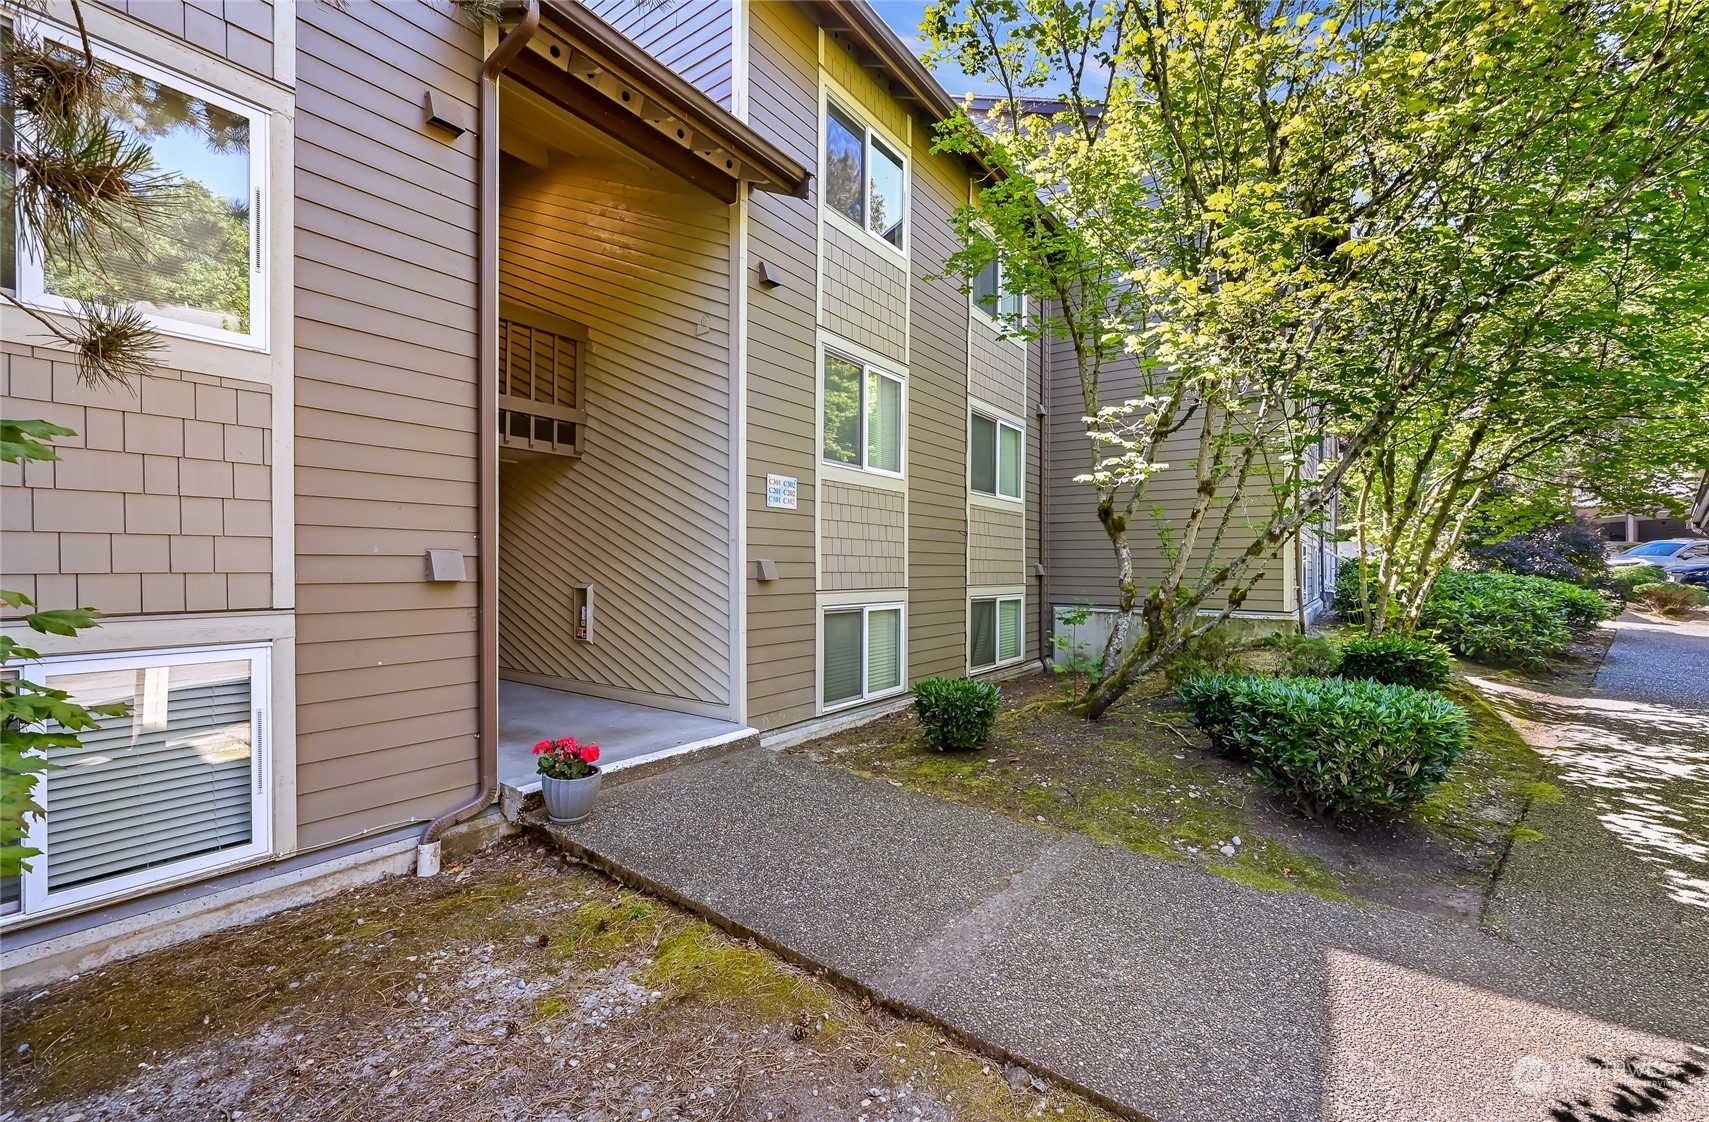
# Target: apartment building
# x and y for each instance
(588, 372)
(592, 374)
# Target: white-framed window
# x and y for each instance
(197, 267)
(990, 295)
(865, 177)
(177, 787)
(863, 413)
(995, 457)
(861, 653)
(993, 631)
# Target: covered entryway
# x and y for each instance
(621, 282)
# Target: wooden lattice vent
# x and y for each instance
(543, 362)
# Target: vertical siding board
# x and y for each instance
(355, 493)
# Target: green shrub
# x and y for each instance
(1671, 599)
(1624, 582)
(1501, 617)
(1210, 653)
(1307, 656)
(956, 713)
(1337, 747)
(1347, 590)
(1398, 661)
(1212, 700)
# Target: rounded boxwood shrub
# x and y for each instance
(1671, 599)
(1624, 582)
(1398, 661)
(1307, 656)
(956, 713)
(1500, 617)
(1337, 747)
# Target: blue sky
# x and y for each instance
(904, 18)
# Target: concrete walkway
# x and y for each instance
(1157, 988)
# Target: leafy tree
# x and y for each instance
(1256, 224)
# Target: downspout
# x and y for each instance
(1046, 613)
(486, 378)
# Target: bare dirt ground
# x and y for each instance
(517, 986)
(1143, 777)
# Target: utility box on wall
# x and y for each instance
(581, 612)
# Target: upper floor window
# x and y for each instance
(865, 178)
(863, 415)
(196, 266)
(994, 457)
(989, 296)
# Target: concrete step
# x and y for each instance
(518, 799)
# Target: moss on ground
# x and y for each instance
(1126, 780)
(338, 976)
(1490, 785)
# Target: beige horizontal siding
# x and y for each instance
(386, 418)
(782, 373)
(937, 425)
(997, 374)
(1082, 565)
(692, 37)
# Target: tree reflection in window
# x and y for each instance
(845, 166)
(191, 262)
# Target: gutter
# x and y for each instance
(486, 378)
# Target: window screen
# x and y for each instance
(983, 455)
(1009, 462)
(169, 782)
(843, 656)
(889, 199)
(884, 424)
(884, 650)
(1008, 630)
(987, 285)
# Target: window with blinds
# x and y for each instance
(175, 786)
(862, 653)
(542, 368)
(994, 631)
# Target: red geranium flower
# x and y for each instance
(590, 753)
(543, 746)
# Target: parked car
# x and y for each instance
(1690, 572)
(1666, 553)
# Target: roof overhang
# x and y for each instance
(881, 49)
(581, 63)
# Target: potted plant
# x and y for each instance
(568, 778)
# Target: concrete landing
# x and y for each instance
(629, 736)
(1153, 987)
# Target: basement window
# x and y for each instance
(177, 787)
(994, 631)
(862, 650)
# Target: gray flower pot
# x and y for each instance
(569, 800)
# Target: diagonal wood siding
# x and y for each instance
(644, 514)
